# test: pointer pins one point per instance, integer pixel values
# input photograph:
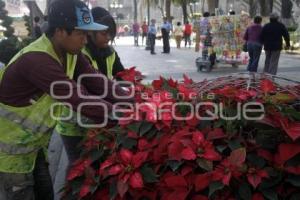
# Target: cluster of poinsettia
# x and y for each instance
(154, 155)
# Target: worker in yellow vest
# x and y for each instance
(104, 58)
(42, 74)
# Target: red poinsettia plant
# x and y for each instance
(230, 138)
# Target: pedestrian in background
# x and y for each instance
(165, 32)
(144, 31)
(271, 37)
(254, 45)
(152, 36)
(136, 32)
(178, 33)
(187, 34)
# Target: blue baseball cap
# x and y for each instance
(72, 14)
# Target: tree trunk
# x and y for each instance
(184, 10)
(135, 13)
(286, 9)
(266, 7)
(212, 5)
(252, 7)
(148, 12)
(168, 9)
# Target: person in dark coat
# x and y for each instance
(271, 38)
(165, 32)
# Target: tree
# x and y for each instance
(135, 14)
(183, 4)
(286, 9)
(6, 21)
(168, 4)
(10, 45)
(212, 5)
(253, 7)
(266, 7)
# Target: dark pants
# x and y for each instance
(144, 35)
(152, 43)
(166, 42)
(136, 39)
(254, 51)
(71, 144)
(187, 39)
(36, 185)
(271, 63)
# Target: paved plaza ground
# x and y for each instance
(178, 62)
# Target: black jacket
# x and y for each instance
(100, 56)
(272, 34)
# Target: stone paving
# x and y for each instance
(178, 62)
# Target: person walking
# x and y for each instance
(178, 32)
(254, 46)
(152, 36)
(104, 59)
(165, 32)
(34, 85)
(271, 37)
(136, 32)
(187, 34)
(144, 31)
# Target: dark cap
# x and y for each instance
(72, 14)
(102, 16)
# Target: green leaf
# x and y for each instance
(234, 144)
(221, 148)
(135, 127)
(245, 191)
(215, 186)
(126, 142)
(273, 181)
(174, 165)
(96, 155)
(220, 123)
(129, 143)
(113, 190)
(145, 128)
(151, 133)
(294, 180)
(149, 175)
(270, 194)
(205, 164)
(293, 113)
(256, 160)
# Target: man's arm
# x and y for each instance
(286, 36)
(48, 76)
(99, 86)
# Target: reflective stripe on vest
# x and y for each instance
(16, 149)
(25, 123)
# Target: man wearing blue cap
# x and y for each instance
(45, 72)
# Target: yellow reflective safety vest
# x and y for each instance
(70, 127)
(26, 130)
